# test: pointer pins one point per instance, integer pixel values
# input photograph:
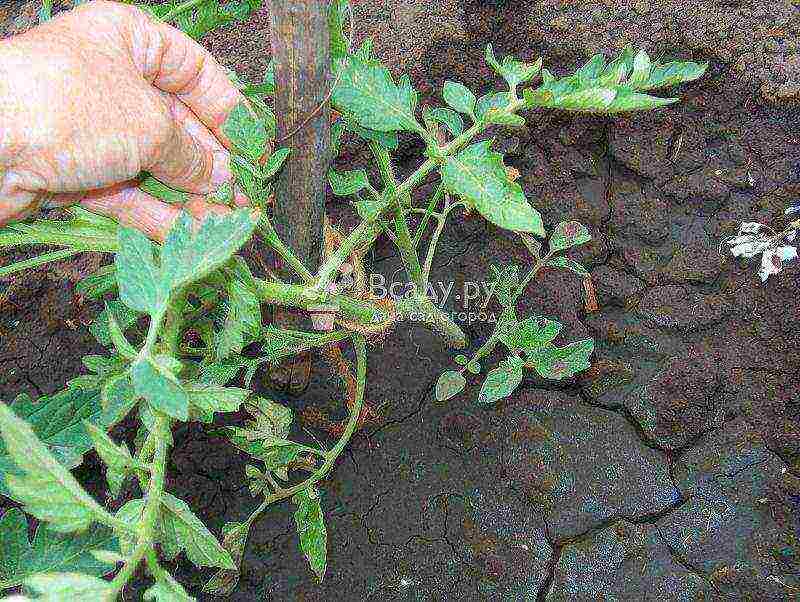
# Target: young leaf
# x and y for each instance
(139, 283)
(450, 384)
(188, 256)
(513, 71)
(166, 589)
(562, 362)
(567, 264)
(246, 132)
(234, 539)
(532, 333)
(459, 97)
(502, 381)
(121, 344)
(161, 191)
(478, 175)
(447, 117)
(123, 316)
(46, 488)
(504, 284)
(206, 399)
(242, 321)
(310, 524)
(366, 91)
(345, 183)
(160, 388)
(201, 547)
(50, 551)
(504, 118)
(569, 234)
(494, 100)
(60, 587)
(275, 162)
(117, 458)
(220, 373)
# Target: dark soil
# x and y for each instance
(671, 469)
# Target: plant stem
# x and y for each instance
(152, 509)
(270, 235)
(181, 8)
(429, 212)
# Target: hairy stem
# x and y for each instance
(270, 236)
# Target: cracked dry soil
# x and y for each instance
(671, 469)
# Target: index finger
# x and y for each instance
(175, 63)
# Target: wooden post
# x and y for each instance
(300, 49)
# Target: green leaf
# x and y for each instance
(270, 420)
(61, 587)
(310, 523)
(242, 323)
(513, 71)
(166, 589)
(447, 117)
(121, 344)
(502, 381)
(567, 264)
(641, 70)
(477, 174)
(532, 333)
(569, 234)
(275, 162)
(367, 92)
(459, 97)
(504, 118)
(50, 551)
(189, 256)
(161, 191)
(123, 316)
(118, 397)
(220, 373)
(450, 384)
(191, 535)
(85, 231)
(337, 21)
(139, 283)
(130, 514)
(386, 139)
(99, 283)
(246, 132)
(345, 183)
(205, 399)
(562, 362)
(117, 458)
(673, 73)
(160, 388)
(234, 540)
(505, 282)
(57, 420)
(494, 100)
(46, 488)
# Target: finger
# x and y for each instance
(175, 63)
(191, 159)
(133, 208)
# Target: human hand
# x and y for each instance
(95, 96)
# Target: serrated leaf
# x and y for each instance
(242, 323)
(366, 91)
(123, 315)
(513, 71)
(166, 589)
(450, 384)
(673, 73)
(275, 162)
(501, 381)
(246, 131)
(189, 256)
(137, 275)
(627, 100)
(117, 458)
(459, 97)
(505, 281)
(569, 234)
(201, 547)
(50, 551)
(592, 68)
(57, 421)
(532, 333)
(60, 587)
(310, 523)
(562, 362)
(477, 174)
(220, 373)
(386, 139)
(641, 70)
(447, 117)
(160, 388)
(565, 263)
(346, 183)
(46, 487)
(234, 539)
(206, 399)
(161, 191)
